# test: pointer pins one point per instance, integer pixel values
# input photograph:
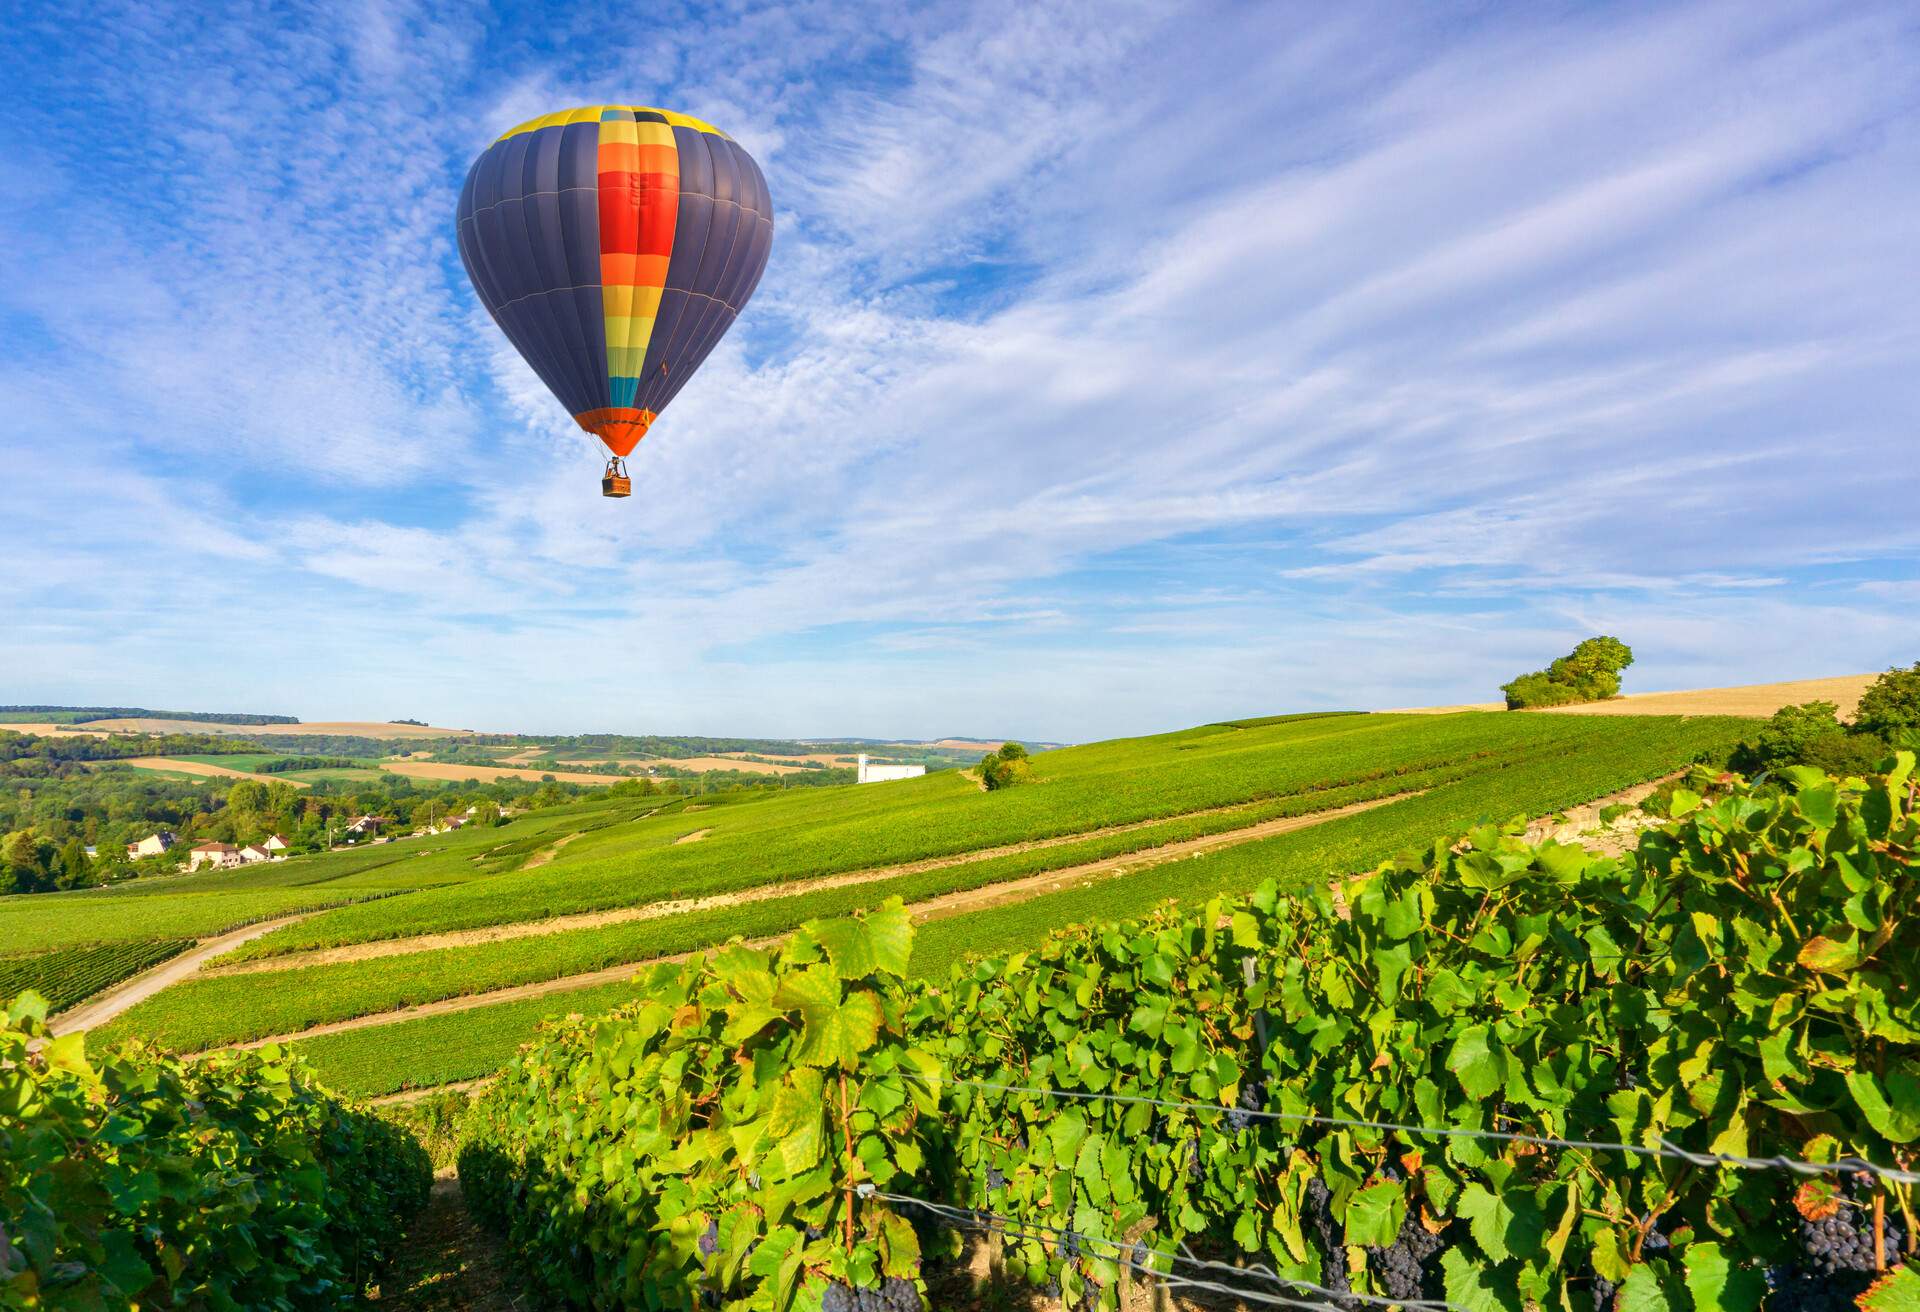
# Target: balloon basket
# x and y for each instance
(615, 483)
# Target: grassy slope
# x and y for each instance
(201, 1013)
(815, 832)
(1558, 773)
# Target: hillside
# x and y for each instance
(428, 960)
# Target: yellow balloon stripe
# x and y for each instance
(591, 114)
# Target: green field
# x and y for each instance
(1429, 775)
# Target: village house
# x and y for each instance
(152, 845)
(213, 854)
(367, 824)
(275, 843)
(255, 852)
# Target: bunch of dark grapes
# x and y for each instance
(996, 1180)
(1844, 1243)
(1655, 1240)
(1603, 1292)
(1193, 1158)
(1401, 1267)
(1251, 1098)
(893, 1295)
(710, 1240)
(1333, 1239)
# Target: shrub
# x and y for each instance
(1006, 767)
(1890, 707)
(137, 1180)
(1590, 672)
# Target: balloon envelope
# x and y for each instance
(614, 245)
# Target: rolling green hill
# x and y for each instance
(434, 957)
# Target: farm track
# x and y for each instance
(461, 938)
(935, 908)
(446, 1262)
(415, 1095)
(138, 988)
(550, 851)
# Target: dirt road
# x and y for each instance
(99, 1010)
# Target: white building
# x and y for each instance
(151, 845)
(879, 774)
(254, 852)
(275, 843)
(213, 854)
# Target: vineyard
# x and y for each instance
(66, 976)
(132, 1180)
(486, 932)
(1491, 1076)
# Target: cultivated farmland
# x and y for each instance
(477, 934)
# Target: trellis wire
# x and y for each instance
(1666, 1149)
(994, 1223)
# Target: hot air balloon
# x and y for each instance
(614, 245)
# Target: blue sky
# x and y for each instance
(1117, 367)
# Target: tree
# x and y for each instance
(1006, 767)
(1890, 708)
(1589, 673)
(76, 871)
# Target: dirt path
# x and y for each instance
(936, 908)
(549, 852)
(396, 947)
(416, 1095)
(693, 837)
(1582, 824)
(446, 1263)
(103, 1008)
(206, 769)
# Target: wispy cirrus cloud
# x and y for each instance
(1188, 359)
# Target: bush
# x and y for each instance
(1589, 673)
(1890, 708)
(1006, 767)
(1810, 734)
(138, 1180)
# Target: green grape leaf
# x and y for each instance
(1715, 1282)
(1374, 1214)
(1897, 1291)
(1475, 1064)
(1504, 1225)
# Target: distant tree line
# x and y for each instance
(84, 714)
(281, 765)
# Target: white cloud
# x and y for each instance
(1074, 314)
